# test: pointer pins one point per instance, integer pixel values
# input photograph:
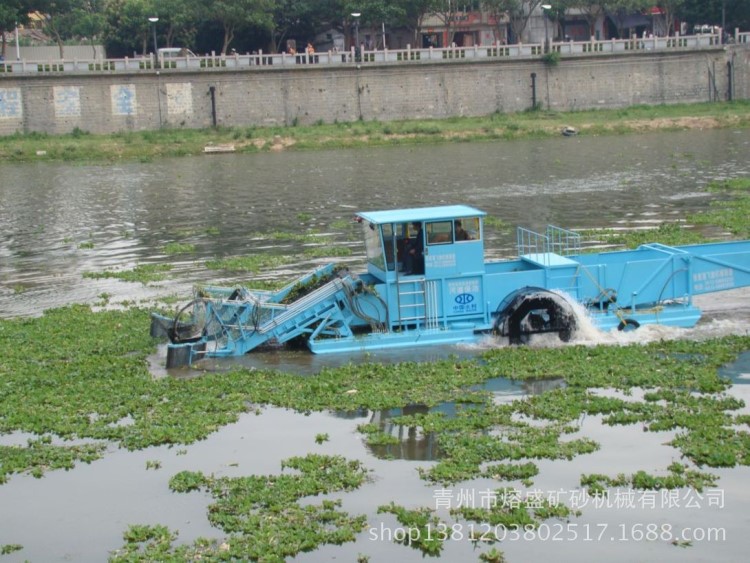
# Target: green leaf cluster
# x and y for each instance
(506, 509)
(143, 273)
(679, 476)
(422, 528)
(262, 514)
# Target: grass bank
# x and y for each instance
(146, 145)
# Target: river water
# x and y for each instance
(61, 220)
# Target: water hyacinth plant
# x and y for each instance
(261, 514)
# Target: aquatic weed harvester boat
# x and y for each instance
(427, 282)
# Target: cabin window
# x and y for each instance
(440, 232)
(467, 228)
(393, 241)
(373, 245)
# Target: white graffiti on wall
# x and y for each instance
(123, 99)
(67, 101)
(180, 99)
(10, 103)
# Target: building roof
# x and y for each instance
(421, 214)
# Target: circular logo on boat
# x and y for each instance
(464, 298)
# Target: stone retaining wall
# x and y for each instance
(108, 102)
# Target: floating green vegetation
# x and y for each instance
(730, 213)
(679, 476)
(422, 529)
(9, 548)
(252, 264)
(74, 373)
(40, 455)
(492, 556)
(327, 251)
(510, 472)
(375, 436)
(505, 509)
(496, 223)
(303, 288)
(262, 514)
(178, 248)
(471, 445)
(143, 273)
(86, 245)
(307, 237)
(343, 224)
(266, 285)
(148, 543)
(171, 299)
(683, 391)
(666, 233)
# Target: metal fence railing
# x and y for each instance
(541, 247)
(262, 60)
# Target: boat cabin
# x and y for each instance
(429, 242)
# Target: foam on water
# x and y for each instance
(588, 334)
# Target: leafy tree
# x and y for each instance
(234, 14)
(592, 10)
(446, 11)
(12, 12)
(497, 9)
(376, 13)
(557, 14)
(619, 10)
(56, 19)
(301, 19)
(127, 27)
(85, 21)
(670, 8)
(736, 13)
(519, 13)
(410, 14)
(179, 20)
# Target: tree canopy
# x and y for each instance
(220, 25)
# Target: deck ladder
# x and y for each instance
(418, 302)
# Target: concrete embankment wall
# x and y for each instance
(108, 102)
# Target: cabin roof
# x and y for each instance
(407, 215)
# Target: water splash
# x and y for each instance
(723, 315)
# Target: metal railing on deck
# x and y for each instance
(554, 241)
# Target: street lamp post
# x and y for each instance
(546, 7)
(153, 21)
(18, 49)
(356, 15)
